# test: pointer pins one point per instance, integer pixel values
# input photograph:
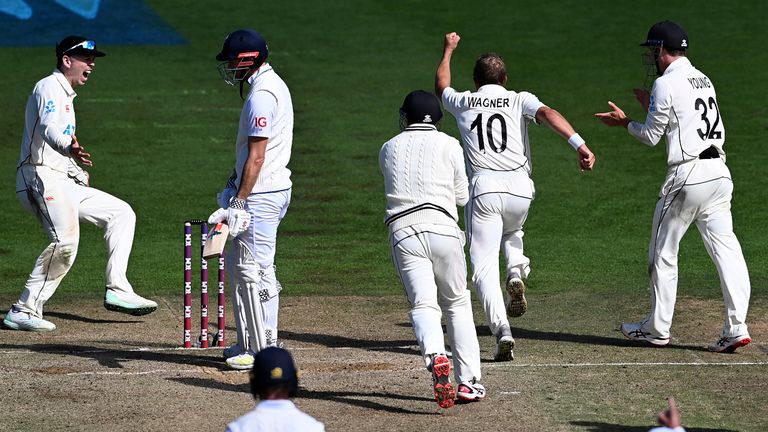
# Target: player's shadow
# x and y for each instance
(337, 341)
(359, 399)
(114, 358)
(619, 341)
(608, 427)
(73, 317)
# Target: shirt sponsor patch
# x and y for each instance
(260, 122)
(50, 107)
(652, 104)
(49, 198)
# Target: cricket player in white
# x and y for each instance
(274, 381)
(424, 180)
(698, 187)
(52, 186)
(257, 195)
(493, 123)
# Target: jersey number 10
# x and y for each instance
(478, 123)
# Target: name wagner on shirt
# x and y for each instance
(475, 102)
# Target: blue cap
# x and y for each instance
(244, 43)
(273, 366)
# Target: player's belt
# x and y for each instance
(710, 153)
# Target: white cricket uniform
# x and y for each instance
(50, 185)
(275, 416)
(424, 180)
(493, 123)
(697, 189)
(268, 113)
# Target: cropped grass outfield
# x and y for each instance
(161, 125)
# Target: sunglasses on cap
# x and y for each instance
(86, 44)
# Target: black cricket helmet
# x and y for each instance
(420, 107)
(243, 51)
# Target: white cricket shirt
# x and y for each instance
(267, 112)
(424, 177)
(493, 123)
(683, 106)
(275, 416)
(49, 124)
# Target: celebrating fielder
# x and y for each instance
(493, 123)
(683, 106)
(257, 194)
(52, 186)
(424, 180)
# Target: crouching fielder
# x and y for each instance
(424, 180)
(257, 195)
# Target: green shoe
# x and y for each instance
(128, 303)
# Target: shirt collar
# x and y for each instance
(64, 83)
(682, 61)
(262, 70)
(420, 127)
(275, 404)
(491, 88)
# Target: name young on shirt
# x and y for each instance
(699, 82)
(475, 102)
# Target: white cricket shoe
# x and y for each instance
(634, 331)
(232, 351)
(470, 391)
(517, 304)
(729, 344)
(504, 344)
(128, 302)
(243, 361)
(16, 319)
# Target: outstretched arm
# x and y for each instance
(560, 125)
(443, 74)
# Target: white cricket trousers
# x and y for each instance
(698, 191)
(60, 204)
(250, 264)
(497, 209)
(430, 261)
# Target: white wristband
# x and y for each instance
(576, 141)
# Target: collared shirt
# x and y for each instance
(49, 125)
(268, 113)
(493, 123)
(683, 106)
(275, 416)
(424, 177)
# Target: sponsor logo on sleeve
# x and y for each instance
(50, 107)
(260, 122)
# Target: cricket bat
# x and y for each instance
(217, 238)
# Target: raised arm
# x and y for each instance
(443, 74)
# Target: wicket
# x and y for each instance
(218, 339)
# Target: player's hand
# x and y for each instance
(237, 219)
(643, 97)
(671, 416)
(615, 117)
(451, 41)
(586, 158)
(79, 153)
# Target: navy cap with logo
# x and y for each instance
(273, 366)
(244, 43)
(421, 107)
(77, 45)
(667, 34)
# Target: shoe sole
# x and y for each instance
(730, 349)
(236, 366)
(14, 326)
(504, 351)
(139, 311)
(517, 304)
(445, 394)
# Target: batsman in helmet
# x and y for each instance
(257, 194)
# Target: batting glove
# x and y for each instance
(236, 217)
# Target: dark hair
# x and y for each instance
(490, 69)
(675, 52)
